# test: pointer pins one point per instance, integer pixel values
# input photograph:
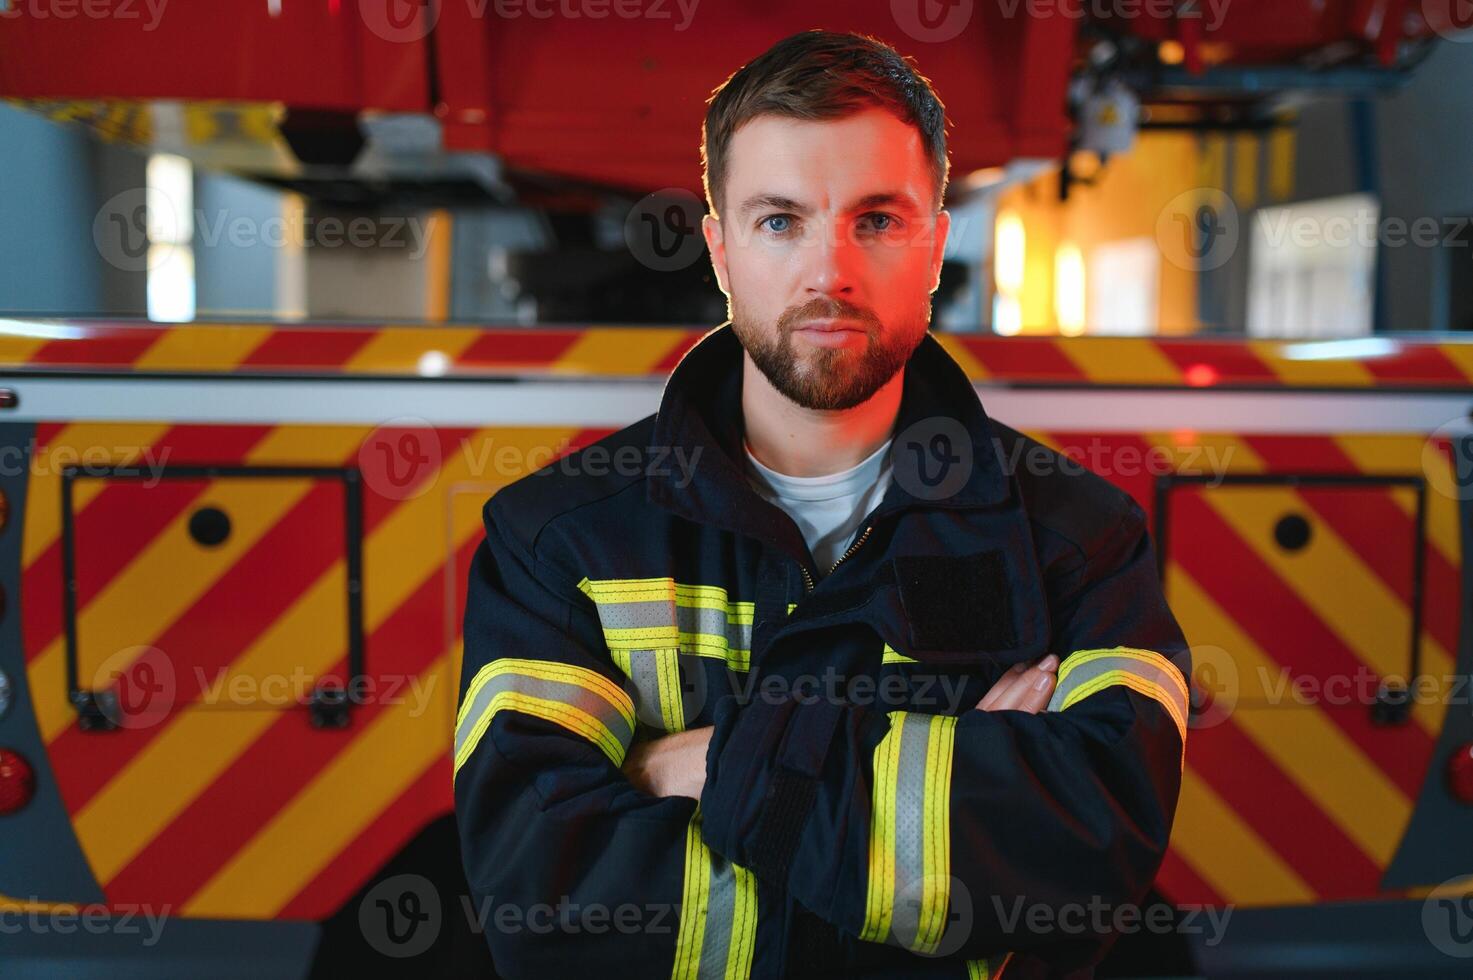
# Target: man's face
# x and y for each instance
(828, 250)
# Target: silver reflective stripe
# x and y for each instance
(653, 614)
(717, 934)
(721, 904)
(716, 625)
(557, 700)
(910, 827)
(1086, 672)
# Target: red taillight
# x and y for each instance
(1460, 773)
(17, 782)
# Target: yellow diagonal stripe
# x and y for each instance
(1120, 360)
(43, 492)
(1303, 742)
(952, 344)
(629, 350)
(1401, 455)
(402, 551)
(16, 349)
(374, 770)
(401, 350)
(1330, 578)
(1227, 854)
(202, 347)
(172, 557)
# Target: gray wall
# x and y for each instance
(48, 263)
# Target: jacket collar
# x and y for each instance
(701, 411)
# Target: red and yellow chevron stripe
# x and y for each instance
(231, 810)
(413, 350)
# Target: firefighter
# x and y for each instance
(818, 669)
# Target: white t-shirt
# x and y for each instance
(827, 509)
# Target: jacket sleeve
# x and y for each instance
(987, 832)
(570, 867)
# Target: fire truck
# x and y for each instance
(233, 555)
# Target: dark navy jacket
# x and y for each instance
(859, 816)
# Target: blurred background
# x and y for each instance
(1294, 168)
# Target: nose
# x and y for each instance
(829, 264)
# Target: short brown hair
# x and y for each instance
(822, 75)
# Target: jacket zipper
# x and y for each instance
(808, 580)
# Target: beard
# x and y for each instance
(829, 378)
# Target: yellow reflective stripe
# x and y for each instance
(548, 670)
(879, 902)
(546, 690)
(890, 655)
(909, 877)
(1174, 697)
(743, 926)
(657, 589)
(610, 594)
(717, 935)
(574, 720)
(1135, 683)
(983, 969)
(1080, 657)
(693, 896)
(667, 676)
(715, 648)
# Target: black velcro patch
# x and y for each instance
(790, 797)
(957, 602)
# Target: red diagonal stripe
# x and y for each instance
(1288, 821)
(285, 759)
(216, 629)
(1179, 884)
(257, 589)
(1259, 601)
(427, 798)
(1373, 526)
(291, 349)
(113, 347)
(120, 521)
(517, 348)
(1416, 364)
(1232, 362)
(1022, 358)
(1269, 611)
(673, 356)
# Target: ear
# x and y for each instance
(715, 235)
(938, 246)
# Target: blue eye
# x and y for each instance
(881, 222)
(777, 223)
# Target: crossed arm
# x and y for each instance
(675, 765)
(872, 821)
